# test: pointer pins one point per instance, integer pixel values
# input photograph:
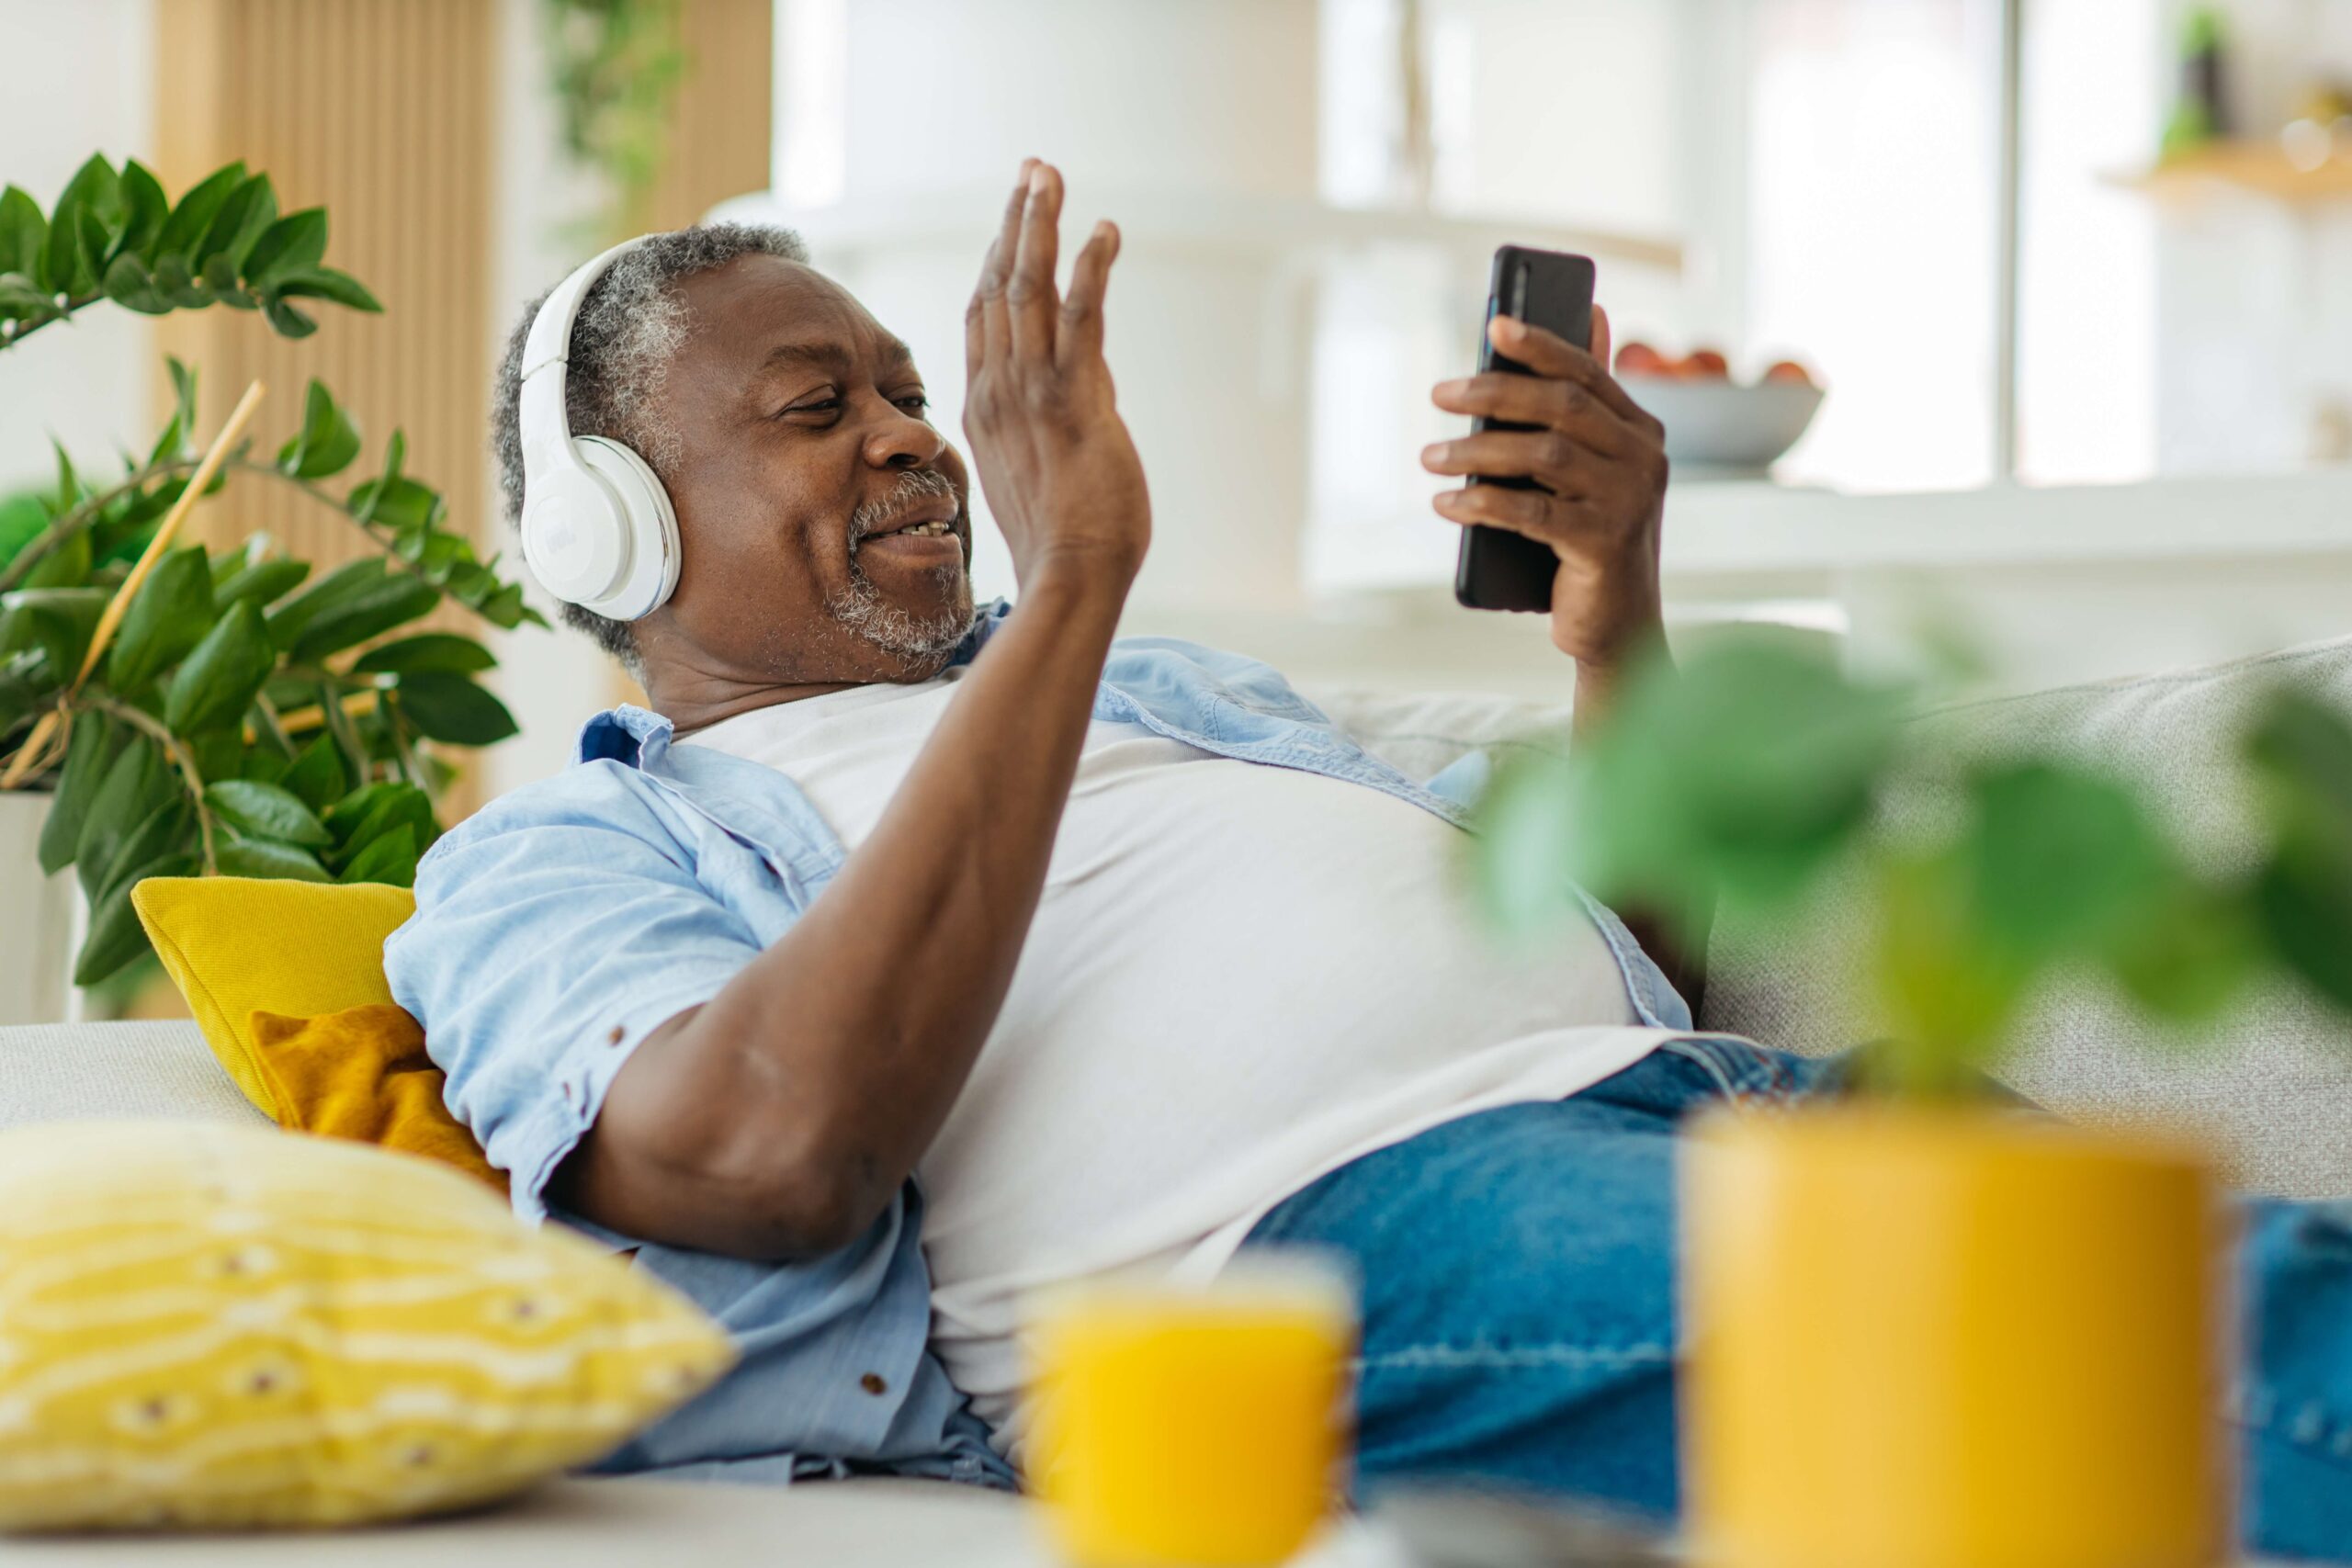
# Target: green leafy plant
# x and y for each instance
(1759, 772)
(247, 716)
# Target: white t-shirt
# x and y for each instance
(1239, 977)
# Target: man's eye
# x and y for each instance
(825, 405)
(915, 402)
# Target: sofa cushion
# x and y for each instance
(224, 1326)
(2271, 1088)
(71, 1072)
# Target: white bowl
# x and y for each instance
(1715, 428)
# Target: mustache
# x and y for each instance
(914, 486)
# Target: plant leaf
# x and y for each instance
(344, 585)
(22, 299)
(327, 283)
(264, 582)
(116, 936)
(64, 567)
(144, 209)
(286, 320)
(266, 811)
(428, 650)
(396, 503)
(239, 856)
(250, 209)
(168, 615)
(24, 237)
(446, 706)
(165, 831)
(136, 782)
(129, 285)
(316, 778)
(327, 442)
(374, 809)
(398, 599)
(218, 678)
(390, 858)
(292, 245)
(88, 755)
(184, 230)
(2060, 862)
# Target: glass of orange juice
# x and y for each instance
(1202, 1426)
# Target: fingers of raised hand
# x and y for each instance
(1081, 325)
(987, 331)
(1029, 293)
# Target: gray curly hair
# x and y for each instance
(630, 327)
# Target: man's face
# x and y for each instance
(823, 522)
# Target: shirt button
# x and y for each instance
(615, 1037)
(871, 1383)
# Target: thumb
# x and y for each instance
(1600, 336)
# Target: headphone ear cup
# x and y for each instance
(650, 521)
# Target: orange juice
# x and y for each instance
(1204, 1427)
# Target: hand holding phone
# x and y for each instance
(1497, 569)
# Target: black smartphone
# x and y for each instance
(1498, 570)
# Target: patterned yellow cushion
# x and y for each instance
(214, 1325)
(236, 944)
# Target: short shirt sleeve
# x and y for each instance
(553, 931)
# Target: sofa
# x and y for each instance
(2271, 1090)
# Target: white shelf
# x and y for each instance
(1735, 529)
(1724, 540)
(1185, 219)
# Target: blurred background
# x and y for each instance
(2074, 276)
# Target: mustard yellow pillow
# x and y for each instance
(235, 945)
(230, 1326)
(362, 1074)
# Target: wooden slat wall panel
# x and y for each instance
(719, 131)
(381, 110)
(719, 134)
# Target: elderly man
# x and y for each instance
(905, 958)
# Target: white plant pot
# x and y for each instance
(39, 919)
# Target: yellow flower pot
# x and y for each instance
(1929, 1338)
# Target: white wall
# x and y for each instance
(80, 81)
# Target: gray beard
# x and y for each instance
(918, 639)
(860, 608)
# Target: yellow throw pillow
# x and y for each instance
(228, 1327)
(235, 945)
(362, 1074)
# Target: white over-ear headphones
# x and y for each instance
(598, 529)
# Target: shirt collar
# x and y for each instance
(636, 736)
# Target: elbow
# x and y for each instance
(760, 1184)
(790, 1197)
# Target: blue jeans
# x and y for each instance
(1519, 1316)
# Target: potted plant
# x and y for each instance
(169, 710)
(1926, 1326)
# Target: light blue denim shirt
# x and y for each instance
(562, 923)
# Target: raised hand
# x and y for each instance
(1059, 468)
(1600, 460)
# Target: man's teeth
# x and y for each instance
(930, 530)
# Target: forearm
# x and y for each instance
(829, 1062)
(1675, 939)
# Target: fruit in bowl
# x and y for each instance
(1715, 427)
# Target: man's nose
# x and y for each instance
(902, 441)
